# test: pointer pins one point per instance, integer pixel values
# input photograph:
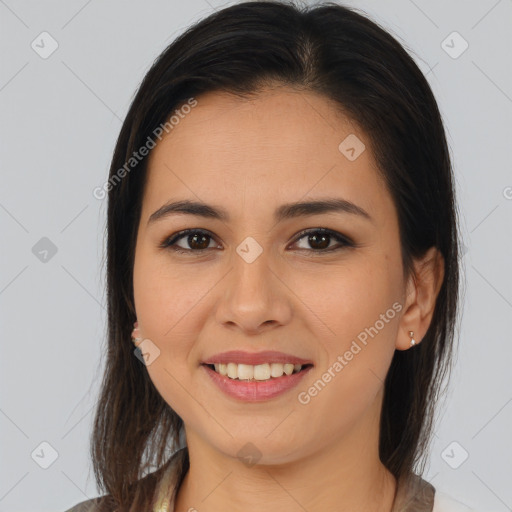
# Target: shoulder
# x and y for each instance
(107, 503)
(166, 477)
(445, 503)
(415, 494)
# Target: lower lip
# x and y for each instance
(256, 391)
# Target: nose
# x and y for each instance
(253, 297)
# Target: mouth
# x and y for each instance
(257, 373)
(255, 377)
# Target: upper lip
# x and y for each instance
(255, 358)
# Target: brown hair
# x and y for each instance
(341, 54)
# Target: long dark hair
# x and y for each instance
(339, 53)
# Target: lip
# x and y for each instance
(255, 391)
(254, 358)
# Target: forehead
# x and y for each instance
(279, 145)
(271, 121)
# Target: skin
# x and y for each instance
(249, 157)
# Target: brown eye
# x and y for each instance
(319, 240)
(193, 240)
(196, 241)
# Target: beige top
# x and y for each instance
(413, 495)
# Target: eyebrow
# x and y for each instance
(285, 211)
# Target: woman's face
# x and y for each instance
(253, 281)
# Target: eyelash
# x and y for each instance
(169, 242)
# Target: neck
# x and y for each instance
(345, 475)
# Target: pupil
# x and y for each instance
(313, 239)
(192, 239)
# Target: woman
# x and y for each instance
(283, 252)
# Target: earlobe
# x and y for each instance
(424, 288)
(136, 339)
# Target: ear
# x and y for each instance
(423, 288)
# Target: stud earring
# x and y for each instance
(136, 339)
(413, 341)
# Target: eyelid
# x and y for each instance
(170, 241)
(339, 237)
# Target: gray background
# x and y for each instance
(60, 119)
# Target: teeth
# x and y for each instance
(276, 370)
(232, 370)
(288, 368)
(256, 372)
(246, 371)
(261, 371)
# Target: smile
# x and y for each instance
(259, 372)
(262, 388)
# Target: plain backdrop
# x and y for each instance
(60, 117)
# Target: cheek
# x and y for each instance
(346, 301)
(167, 304)
(359, 306)
(164, 302)
(173, 304)
(165, 296)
